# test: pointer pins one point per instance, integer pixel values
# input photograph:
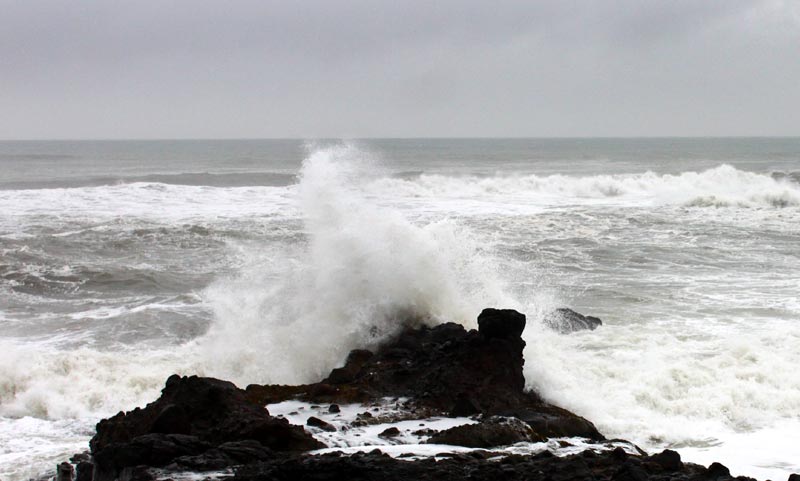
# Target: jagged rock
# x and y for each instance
(491, 432)
(83, 471)
(155, 449)
(192, 415)
(319, 423)
(553, 421)
(223, 456)
(501, 323)
(65, 472)
(445, 368)
(355, 361)
(375, 466)
(718, 471)
(392, 432)
(668, 460)
(565, 320)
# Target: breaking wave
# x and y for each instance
(296, 311)
(721, 186)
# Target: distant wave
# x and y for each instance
(793, 176)
(720, 186)
(237, 179)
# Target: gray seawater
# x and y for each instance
(122, 262)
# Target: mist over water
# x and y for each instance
(122, 264)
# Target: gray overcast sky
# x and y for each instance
(348, 68)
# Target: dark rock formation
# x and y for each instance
(501, 323)
(606, 466)
(202, 424)
(489, 433)
(64, 472)
(445, 368)
(389, 433)
(319, 423)
(192, 416)
(566, 320)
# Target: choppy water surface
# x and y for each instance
(267, 261)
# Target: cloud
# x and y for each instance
(377, 68)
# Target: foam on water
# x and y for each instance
(710, 386)
(720, 186)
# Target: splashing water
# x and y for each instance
(362, 273)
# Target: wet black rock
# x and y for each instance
(718, 471)
(667, 460)
(447, 369)
(375, 466)
(192, 416)
(565, 320)
(65, 472)
(501, 323)
(387, 433)
(491, 432)
(319, 423)
(223, 456)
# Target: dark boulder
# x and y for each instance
(388, 433)
(489, 433)
(717, 471)
(65, 472)
(668, 460)
(319, 423)
(553, 421)
(566, 320)
(501, 323)
(192, 415)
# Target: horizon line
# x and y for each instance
(564, 137)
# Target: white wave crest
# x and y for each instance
(721, 186)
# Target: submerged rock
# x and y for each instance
(565, 320)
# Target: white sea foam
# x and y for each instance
(141, 201)
(681, 384)
(413, 434)
(720, 186)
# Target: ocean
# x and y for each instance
(266, 261)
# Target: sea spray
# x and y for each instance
(361, 273)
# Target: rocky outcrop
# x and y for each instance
(565, 320)
(614, 465)
(489, 433)
(193, 416)
(446, 368)
(202, 424)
